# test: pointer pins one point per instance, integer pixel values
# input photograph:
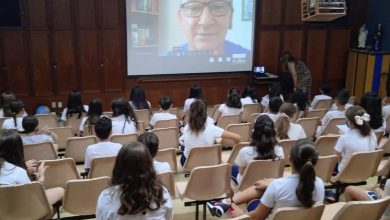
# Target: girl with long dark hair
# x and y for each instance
(195, 94)
(18, 112)
(248, 96)
(74, 106)
(123, 118)
(95, 111)
(138, 98)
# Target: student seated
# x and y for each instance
(285, 128)
(104, 148)
(371, 102)
(123, 118)
(232, 106)
(95, 111)
(15, 123)
(138, 99)
(274, 105)
(165, 105)
(150, 140)
(74, 106)
(33, 135)
(5, 99)
(248, 96)
(324, 95)
(274, 91)
(195, 94)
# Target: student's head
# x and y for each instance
(74, 99)
(6, 98)
(234, 90)
(30, 124)
(274, 104)
(300, 98)
(103, 128)
(11, 148)
(373, 105)
(196, 92)
(205, 23)
(303, 157)
(234, 101)
(150, 140)
(95, 107)
(165, 103)
(325, 90)
(263, 138)
(342, 97)
(198, 116)
(249, 91)
(359, 119)
(287, 57)
(16, 107)
(134, 174)
(138, 98)
(282, 125)
(122, 107)
(274, 90)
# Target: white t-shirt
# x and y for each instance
(133, 107)
(226, 110)
(281, 192)
(352, 142)
(386, 111)
(296, 132)
(204, 138)
(161, 116)
(249, 153)
(10, 124)
(187, 104)
(109, 203)
(334, 107)
(274, 117)
(1, 112)
(38, 138)
(247, 100)
(121, 126)
(161, 167)
(12, 175)
(319, 98)
(63, 115)
(101, 149)
(265, 100)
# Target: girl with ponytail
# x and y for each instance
(15, 123)
(284, 126)
(301, 189)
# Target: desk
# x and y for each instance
(261, 83)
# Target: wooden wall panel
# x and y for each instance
(61, 14)
(40, 64)
(293, 42)
(112, 60)
(111, 14)
(87, 14)
(37, 14)
(293, 12)
(271, 11)
(88, 62)
(315, 56)
(269, 50)
(338, 45)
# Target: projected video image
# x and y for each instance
(189, 36)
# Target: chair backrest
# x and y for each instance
(316, 113)
(47, 120)
(323, 104)
(108, 114)
(180, 113)
(170, 123)
(360, 167)
(209, 182)
(309, 125)
(74, 122)
(168, 137)
(23, 202)
(363, 210)
(260, 169)
(174, 111)
(286, 145)
(63, 133)
(101, 166)
(81, 195)
(331, 127)
(142, 127)
(313, 213)
(215, 112)
(325, 144)
(244, 130)
(252, 119)
(203, 156)
(325, 167)
(226, 120)
(250, 109)
(167, 179)
(379, 135)
(168, 155)
(40, 151)
(387, 121)
(234, 152)
(58, 172)
(2, 119)
(89, 130)
(143, 115)
(386, 146)
(76, 147)
(123, 138)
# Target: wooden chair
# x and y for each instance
(252, 119)
(143, 115)
(205, 184)
(316, 113)
(27, 201)
(63, 133)
(248, 110)
(226, 120)
(101, 166)
(260, 169)
(168, 180)
(313, 213)
(203, 156)
(386, 146)
(215, 112)
(309, 125)
(387, 121)
(325, 144)
(168, 137)
(244, 130)
(47, 120)
(323, 104)
(40, 151)
(286, 144)
(168, 155)
(74, 122)
(379, 135)
(174, 111)
(76, 147)
(58, 172)
(171, 123)
(123, 138)
(234, 152)
(81, 196)
(325, 167)
(108, 114)
(331, 127)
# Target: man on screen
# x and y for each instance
(205, 24)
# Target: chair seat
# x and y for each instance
(331, 210)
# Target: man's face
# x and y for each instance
(205, 29)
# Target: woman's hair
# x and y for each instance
(30, 124)
(134, 174)
(122, 107)
(251, 92)
(234, 90)
(16, 107)
(11, 148)
(196, 92)
(325, 89)
(6, 98)
(282, 125)
(373, 106)
(95, 110)
(197, 116)
(351, 114)
(274, 104)
(138, 98)
(274, 90)
(263, 138)
(287, 57)
(300, 98)
(150, 140)
(233, 101)
(75, 105)
(343, 97)
(304, 156)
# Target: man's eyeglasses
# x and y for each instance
(216, 8)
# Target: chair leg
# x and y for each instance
(338, 190)
(197, 211)
(204, 211)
